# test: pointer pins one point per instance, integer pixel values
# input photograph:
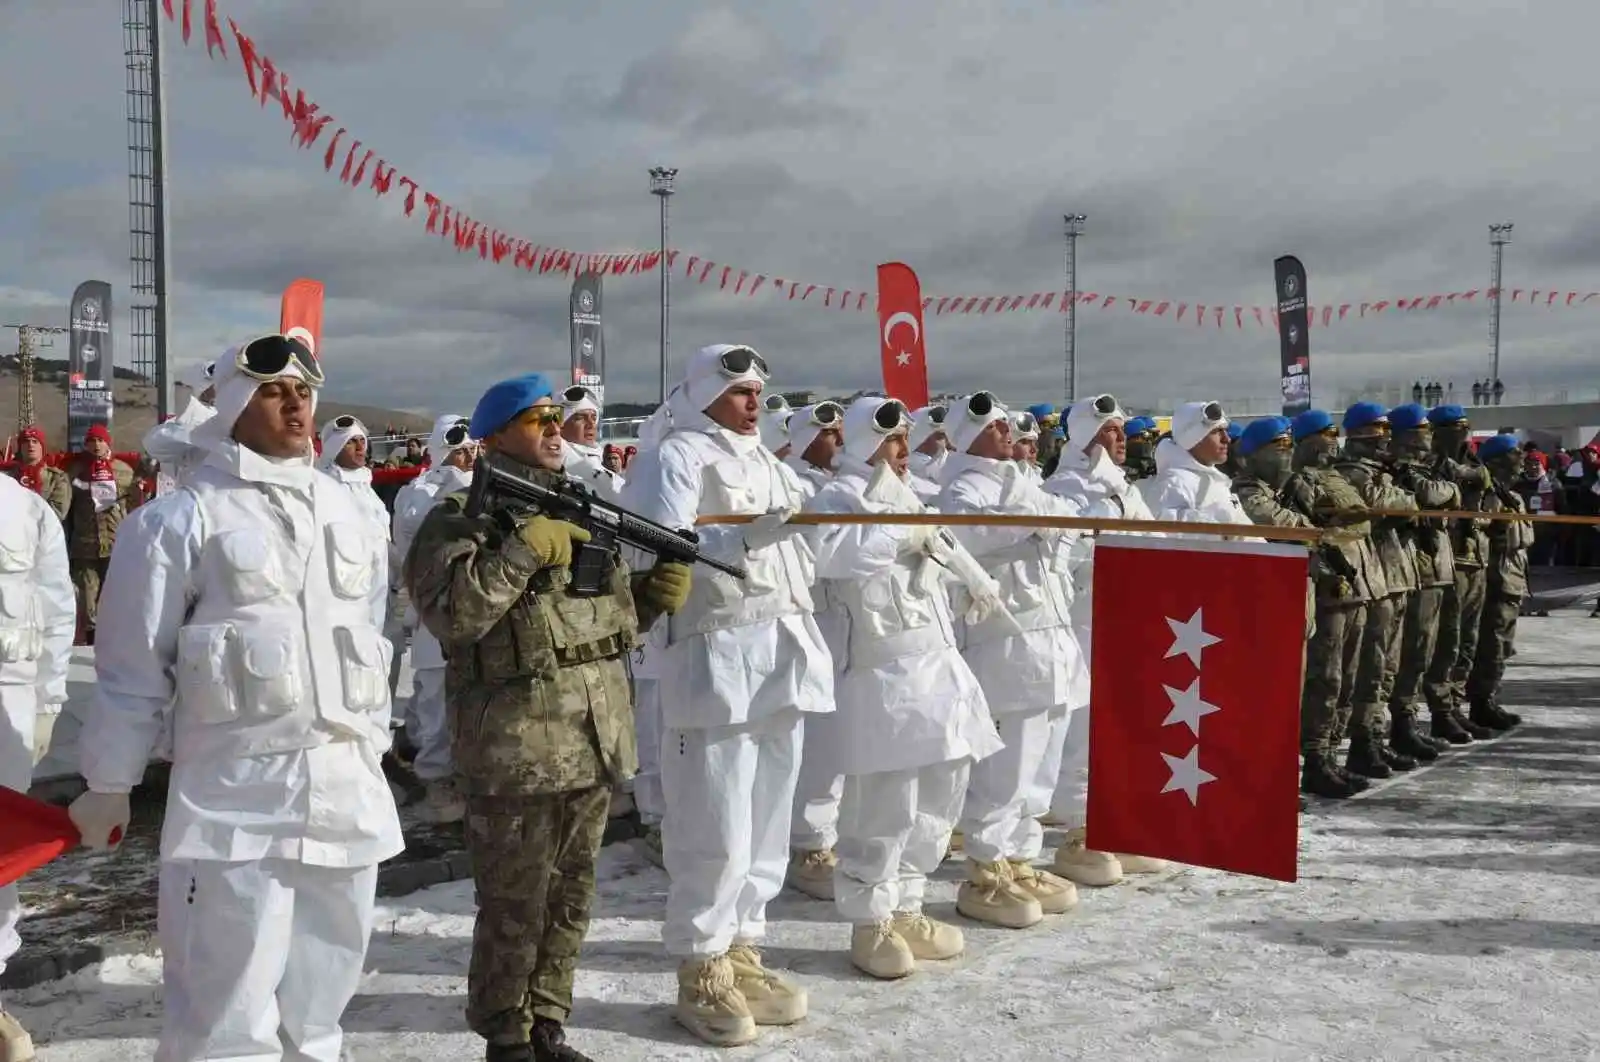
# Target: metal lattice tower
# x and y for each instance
(661, 179)
(27, 340)
(1499, 236)
(147, 198)
(1074, 223)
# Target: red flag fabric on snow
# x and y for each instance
(1196, 672)
(31, 834)
(904, 355)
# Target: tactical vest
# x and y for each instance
(21, 629)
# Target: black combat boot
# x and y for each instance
(549, 1042)
(1398, 761)
(1404, 739)
(1321, 777)
(1486, 715)
(1446, 728)
(1366, 759)
(509, 1053)
(1477, 730)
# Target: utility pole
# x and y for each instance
(1499, 236)
(1074, 223)
(148, 228)
(661, 179)
(25, 367)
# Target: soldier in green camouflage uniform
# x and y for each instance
(541, 722)
(1342, 594)
(1507, 585)
(1462, 609)
(1366, 445)
(1415, 468)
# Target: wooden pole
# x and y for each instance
(1073, 523)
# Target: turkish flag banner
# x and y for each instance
(905, 363)
(1196, 669)
(32, 833)
(301, 308)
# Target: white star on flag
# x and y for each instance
(903, 358)
(1187, 775)
(1189, 637)
(1187, 707)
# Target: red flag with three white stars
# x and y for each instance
(1196, 670)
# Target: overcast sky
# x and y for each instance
(1375, 140)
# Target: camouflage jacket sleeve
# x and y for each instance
(1261, 504)
(1430, 492)
(58, 492)
(464, 573)
(1377, 487)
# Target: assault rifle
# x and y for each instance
(610, 526)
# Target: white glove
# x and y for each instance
(920, 538)
(771, 527)
(101, 818)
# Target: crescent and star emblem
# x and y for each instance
(903, 357)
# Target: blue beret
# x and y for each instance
(1364, 414)
(1311, 422)
(1407, 417)
(1497, 446)
(1139, 426)
(1235, 429)
(1451, 414)
(1261, 432)
(1042, 410)
(505, 400)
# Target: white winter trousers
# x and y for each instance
(647, 732)
(814, 825)
(18, 709)
(432, 727)
(725, 836)
(1011, 788)
(1070, 804)
(894, 828)
(259, 959)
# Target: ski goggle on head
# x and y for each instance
(775, 404)
(739, 361)
(890, 417)
(828, 415)
(1107, 406)
(459, 432)
(936, 415)
(577, 393)
(269, 357)
(981, 404)
(1025, 424)
(346, 422)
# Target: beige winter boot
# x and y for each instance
(772, 998)
(709, 1004)
(1051, 819)
(1138, 864)
(812, 873)
(989, 895)
(15, 1043)
(443, 803)
(878, 951)
(1055, 895)
(1084, 865)
(928, 939)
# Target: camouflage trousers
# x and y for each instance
(1418, 636)
(533, 867)
(1471, 586)
(1497, 631)
(1331, 656)
(87, 575)
(1375, 670)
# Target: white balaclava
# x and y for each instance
(440, 447)
(924, 427)
(234, 392)
(774, 427)
(804, 429)
(704, 380)
(1190, 423)
(1087, 416)
(334, 439)
(863, 434)
(963, 427)
(198, 375)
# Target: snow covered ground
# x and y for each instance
(1449, 914)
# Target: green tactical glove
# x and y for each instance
(551, 540)
(666, 588)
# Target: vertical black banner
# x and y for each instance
(89, 372)
(588, 344)
(1294, 338)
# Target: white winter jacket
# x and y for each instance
(38, 613)
(906, 697)
(411, 506)
(810, 477)
(358, 481)
(737, 650)
(1040, 667)
(1184, 489)
(586, 464)
(252, 596)
(169, 443)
